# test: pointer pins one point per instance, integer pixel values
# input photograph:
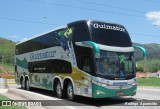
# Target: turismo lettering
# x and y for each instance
(105, 26)
(47, 54)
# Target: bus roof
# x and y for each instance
(60, 27)
(87, 21)
(65, 26)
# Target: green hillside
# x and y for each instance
(153, 51)
(7, 48)
(152, 64)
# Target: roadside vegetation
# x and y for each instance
(7, 48)
(147, 67)
(10, 107)
(155, 82)
(150, 65)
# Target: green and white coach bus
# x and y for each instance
(86, 58)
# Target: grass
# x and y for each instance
(149, 82)
(10, 107)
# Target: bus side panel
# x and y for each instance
(82, 82)
(20, 69)
(42, 80)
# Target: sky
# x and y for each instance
(24, 19)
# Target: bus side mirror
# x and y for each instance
(142, 49)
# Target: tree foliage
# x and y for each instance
(7, 49)
(151, 65)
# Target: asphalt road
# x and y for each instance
(16, 93)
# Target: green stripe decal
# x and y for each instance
(22, 63)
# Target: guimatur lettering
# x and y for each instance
(46, 54)
(105, 26)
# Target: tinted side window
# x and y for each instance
(45, 41)
(84, 57)
(40, 67)
(50, 66)
(62, 66)
(86, 63)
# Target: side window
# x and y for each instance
(62, 66)
(42, 42)
(86, 64)
(62, 38)
(40, 67)
(55, 38)
(84, 58)
(79, 63)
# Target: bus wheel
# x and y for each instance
(59, 91)
(28, 85)
(70, 92)
(23, 84)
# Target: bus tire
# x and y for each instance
(28, 85)
(23, 86)
(70, 92)
(58, 90)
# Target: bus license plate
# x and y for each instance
(120, 93)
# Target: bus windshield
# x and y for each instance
(115, 64)
(109, 34)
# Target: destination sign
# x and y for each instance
(109, 27)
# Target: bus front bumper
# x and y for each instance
(102, 92)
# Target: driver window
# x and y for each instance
(86, 64)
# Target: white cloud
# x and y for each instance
(16, 38)
(24, 39)
(154, 16)
(12, 37)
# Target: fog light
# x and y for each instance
(104, 85)
(98, 93)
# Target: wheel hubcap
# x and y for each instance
(23, 84)
(70, 91)
(27, 85)
(58, 89)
